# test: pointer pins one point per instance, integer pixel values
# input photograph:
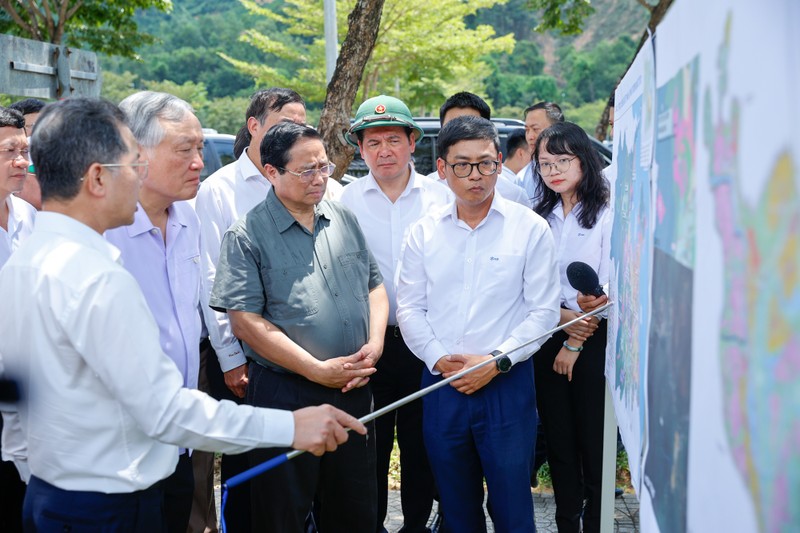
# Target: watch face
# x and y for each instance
(503, 364)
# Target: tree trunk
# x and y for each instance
(362, 31)
(657, 13)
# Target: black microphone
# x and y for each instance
(583, 278)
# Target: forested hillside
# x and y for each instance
(578, 72)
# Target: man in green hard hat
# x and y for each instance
(387, 201)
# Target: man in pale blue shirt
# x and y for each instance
(162, 250)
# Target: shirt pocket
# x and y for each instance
(291, 291)
(356, 269)
(188, 279)
(503, 275)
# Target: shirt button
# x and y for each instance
(325, 266)
(466, 288)
(336, 294)
(469, 260)
(154, 231)
(346, 322)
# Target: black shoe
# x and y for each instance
(618, 492)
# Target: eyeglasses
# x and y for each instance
(13, 153)
(306, 176)
(464, 169)
(561, 165)
(141, 166)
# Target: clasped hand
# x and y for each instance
(452, 364)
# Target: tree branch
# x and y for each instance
(18, 20)
(647, 6)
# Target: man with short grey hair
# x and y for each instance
(161, 249)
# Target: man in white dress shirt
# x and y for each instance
(16, 223)
(538, 118)
(387, 201)
(467, 104)
(106, 408)
(476, 280)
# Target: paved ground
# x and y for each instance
(626, 515)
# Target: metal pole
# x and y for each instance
(609, 477)
(331, 39)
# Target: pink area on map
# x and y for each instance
(788, 367)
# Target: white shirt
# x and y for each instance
(21, 215)
(106, 408)
(223, 198)
(386, 224)
(526, 179)
(463, 290)
(503, 187)
(576, 243)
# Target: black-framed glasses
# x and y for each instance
(462, 169)
(13, 154)
(307, 175)
(561, 165)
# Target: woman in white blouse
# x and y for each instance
(573, 198)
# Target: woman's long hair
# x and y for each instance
(566, 138)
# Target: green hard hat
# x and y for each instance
(382, 111)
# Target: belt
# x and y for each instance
(394, 331)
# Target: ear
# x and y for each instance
(500, 163)
(440, 166)
(271, 173)
(95, 180)
(412, 139)
(252, 125)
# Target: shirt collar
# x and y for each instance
(281, 216)
(66, 226)
(247, 169)
(558, 211)
(499, 206)
(413, 182)
(142, 224)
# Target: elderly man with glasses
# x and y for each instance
(306, 298)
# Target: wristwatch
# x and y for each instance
(503, 362)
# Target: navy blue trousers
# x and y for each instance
(48, 509)
(490, 434)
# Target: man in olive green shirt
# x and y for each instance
(306, 298)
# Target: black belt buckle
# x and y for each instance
(393, 331)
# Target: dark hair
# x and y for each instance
(70, 135)
(551, 109)
(280, 139)
(516, 140)
(261, 103)
(465, 99)
(466, 129)
(11, 118)
(566, 138)
(28, 105)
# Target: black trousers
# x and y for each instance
(13, 494)
(572, 415)
(237, 508)
(178, 489)
(400, 374)
(341, 482)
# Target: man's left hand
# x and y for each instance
(474, 381)
(370, 354)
